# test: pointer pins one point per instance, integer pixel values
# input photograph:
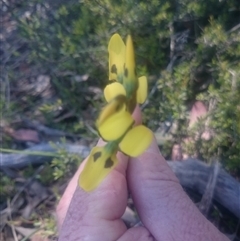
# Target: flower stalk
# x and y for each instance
(115, 124)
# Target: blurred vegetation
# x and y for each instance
(189, 49)
(69, 39)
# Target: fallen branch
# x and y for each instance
(25, 158)
(46, 130)
(192, 173)
(207, 197)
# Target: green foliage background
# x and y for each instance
(71, 37)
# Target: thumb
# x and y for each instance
(164, 208)
(153, 186)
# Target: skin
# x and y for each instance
(165, 210)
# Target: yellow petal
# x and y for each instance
(130, 59)
(99, 164)
(113, 90)
(115, 105)
(115, 126)
(142, 89)
(117, 50)
(130, 79)
(136, 141)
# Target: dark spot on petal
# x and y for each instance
(121, 98)
(108, 163)
(96, 155)
(114, 69)
(118, 107)
(126, 72)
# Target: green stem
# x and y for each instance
(112, 146)
(36, 153)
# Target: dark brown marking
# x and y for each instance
(109, 163)
(114, 69)
(126, 72)
(118, 107)
(96, 155)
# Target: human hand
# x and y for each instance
(163, 207)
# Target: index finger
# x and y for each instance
(71, 188)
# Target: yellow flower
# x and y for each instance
(142, 89)
(122, 69)
(130, 81)
(117, 104)
(113, 90)
(136, 141)
(117, 51)
(100, 162)
(103, 159)
(115, 124)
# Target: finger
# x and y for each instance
(164, 208)
(68, 194)
(64, 202)
(137, 115)
(156, 192)
(101, 208)
(97, 214)
(137, 233)
(147, 174)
